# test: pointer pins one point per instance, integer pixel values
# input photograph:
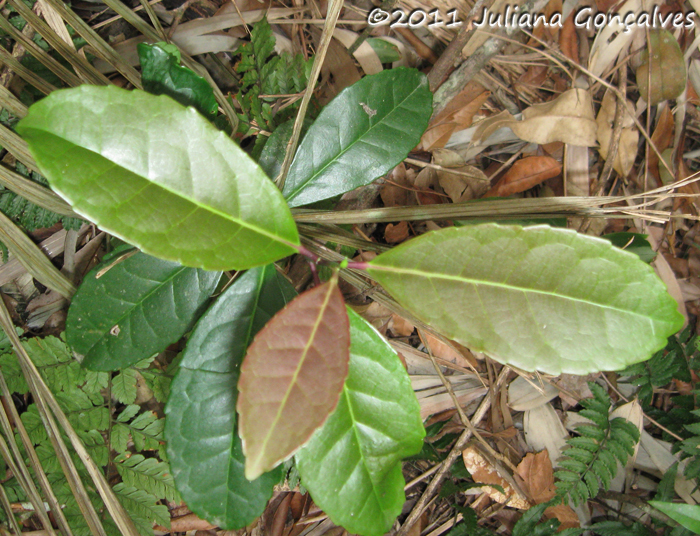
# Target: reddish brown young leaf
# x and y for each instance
(525, 173)
(292, 377)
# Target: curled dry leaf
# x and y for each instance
(292, 377)
(662, 138)
(394, 234)
(459, 186)
(525, 173)
(569, 118)
(484, 472)
(629, 137)
(568, 39)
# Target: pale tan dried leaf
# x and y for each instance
(483, 472)
(365, 54)
(629, 137)
(544, 430)
(459, 187)
(524, 395)
(569, 118)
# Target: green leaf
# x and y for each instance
(162, 74)
(148, 474)
(201, 412)
(352, 464)
(634, 243)
(292, 377)
(159, 176)
(686, 514)
(360, 135)
(142, 508)
(272, 154)
(134, 310)
(536, 298)
(124, 386)
(386, 51)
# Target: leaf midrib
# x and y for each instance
(479, 282)
(294, 193)
(199, 205)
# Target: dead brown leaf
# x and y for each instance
(400, 326)
(394, 234)
(568, 39)
(662, 139)
(457, 115)
(525, 174)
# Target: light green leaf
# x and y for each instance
(160, 176)
(148, 474)
(386, 51)
(360, 135)
(124, 386)
(142, 508)
(352, 464)
(536, 298)
(136, 309)
(687, 515)
(201, 412)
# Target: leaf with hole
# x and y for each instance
(536, 298)
(201, 412)
(160, 176)
(136, 309)
(352, 464)
(360, 135)
(292, 377)
(162, 74)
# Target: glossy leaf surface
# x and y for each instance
(352, 464)
(204, 449)
(160, 176)
(687, 515)
(162, 74)
(135, 309)
(537, 298)
(360, 135)
(292, 377)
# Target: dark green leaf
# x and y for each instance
(352, 464)
(162, 74)
(634, 243)
(537, 298)
(136, 309)
(160, 176)
(360, 135)
(386, 52)
(201, 412)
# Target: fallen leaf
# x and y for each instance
(569, 118)
(400, 326)
(568, 39)
(662, 138)
(668, 74)
(483, 472)
(537, 476)
(458, 186)
(525, 174)
(629, 137)
(394, 234)
(292, 377)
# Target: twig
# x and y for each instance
(455, 453)
(331, 20)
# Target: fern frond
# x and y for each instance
(142, 508)
(124, 386)
(146, 430)
(147, 474)
(591, 460)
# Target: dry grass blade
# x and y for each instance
(338, 235)
(17, 146)
(19, 470)
(12, 103)
(8, 511)
(40, 54)
(24, 73)
(331, 20)
(33, 259)
(99, 46)
(33, 460)
(48, 408)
